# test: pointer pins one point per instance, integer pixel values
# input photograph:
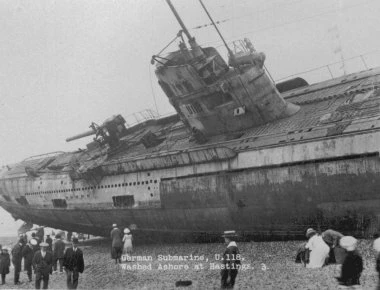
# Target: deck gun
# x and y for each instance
(109, 132)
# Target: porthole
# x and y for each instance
(151, 181)
(148, 187)
(155, 181)
(130, 183)
(134, 183)
(151, 194)
(148, 173)
(138, 182)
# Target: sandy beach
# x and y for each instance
(268, 265)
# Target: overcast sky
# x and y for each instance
(66, 63)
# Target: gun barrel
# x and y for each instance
(81, 135)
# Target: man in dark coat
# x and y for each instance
(40, 234)
(231, 260)
(42, 264)
(117, 243)
(352, 266)
(16, 261)
(74, 264)
(28, 254)
(5, 262)
(58, 252)
(50, 242)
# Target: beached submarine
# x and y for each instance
(241, 153)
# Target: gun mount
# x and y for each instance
(109, 132)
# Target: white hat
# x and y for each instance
(33, 242)
(114, 225)
(126, 231)
(376, 245)
(348, 243)
(310, 231)
(229, 234)
(43, 244)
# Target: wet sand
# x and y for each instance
(269, 265)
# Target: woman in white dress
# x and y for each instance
(319, 249)
(127, 240)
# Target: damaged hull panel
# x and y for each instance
(277, 200)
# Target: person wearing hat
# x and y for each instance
(34, 236)
(127, 240)
(42, 264)
(17, 261)
(5, 262)
(319, 250)
(23, 239)
(74, 264)
(28, 254)
(337, 253)
(58, 252)
(50, 242)
(231, 260)
(117, 243)
(352, 266)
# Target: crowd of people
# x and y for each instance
(44, 256)
(41, 257)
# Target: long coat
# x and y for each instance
(50, 243)
(5, 262)
(28, 254)
(116, 237)
(41, 264)
(58, 249)
(17, 257)
(73, 260)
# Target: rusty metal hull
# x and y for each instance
(317, 168)
(277, 200)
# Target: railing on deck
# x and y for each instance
(142, 116)
(361, 63)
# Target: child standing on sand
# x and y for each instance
(231, 260)
(5, 262)
(352, 266)
(127, 240)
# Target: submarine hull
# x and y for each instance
(284, 200)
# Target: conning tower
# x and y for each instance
(213, 97)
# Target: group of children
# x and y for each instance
(333, 247)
